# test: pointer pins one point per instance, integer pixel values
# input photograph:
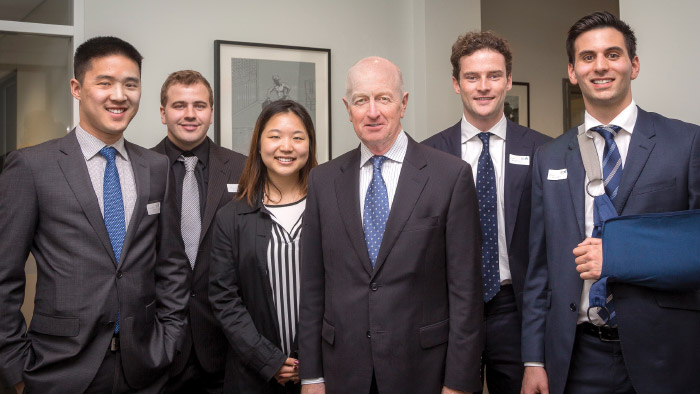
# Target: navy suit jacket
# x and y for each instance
(520, 141)
(658, 329)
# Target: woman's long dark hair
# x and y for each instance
(254, 177)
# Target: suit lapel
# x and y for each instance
(263, 225)
(576, 176)
(73, 165)
(347, 191)
(411, 183)
(218, 176)
(641, 145)
(454, 140)
(142, 177)
(515, 175)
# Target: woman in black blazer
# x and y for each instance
(254, 274)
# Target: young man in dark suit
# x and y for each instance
(99, 216)
(482, 76)
(649, 164)
(202, 187)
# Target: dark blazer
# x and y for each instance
(415, 319)
(203, 333)
(520, 141)
(242, 299)
(48, 206)
(658, 329)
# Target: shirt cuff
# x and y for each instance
(534, 364)
(312, 381)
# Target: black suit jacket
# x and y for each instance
(415, 319)
(48, 206)
(203, 333)
(520, 141)
(242, 299)
(658, 329)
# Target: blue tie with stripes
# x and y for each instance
(113, 207)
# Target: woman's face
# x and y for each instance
(284, 145)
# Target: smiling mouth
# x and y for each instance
(116, 110)
(483, 98)
(285, 159)
(601, 81)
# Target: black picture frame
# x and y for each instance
(517, 104)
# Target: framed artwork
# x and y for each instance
(574, 108)
(517, 105)
(249, 76)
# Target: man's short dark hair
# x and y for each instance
(187, 78)
(599, 20)
(474, 41)
(97, 47)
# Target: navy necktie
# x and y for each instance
(612, 174)
(113, 207)
(376, 209)
(488, 215)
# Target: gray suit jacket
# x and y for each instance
(415, 319)
(48, 206)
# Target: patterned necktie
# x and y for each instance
(190, 218)
(113, 207)
(488, 215)
(612, 174)
(376, 209)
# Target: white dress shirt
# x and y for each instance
(626, 120)
(471, 150)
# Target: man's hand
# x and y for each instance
(314, 388)
(535, 381)
(589, 258)
(19, 387)
(288, 372)
(447, 390)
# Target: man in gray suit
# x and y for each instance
(390, 270)
(187, 110)
(99, 215)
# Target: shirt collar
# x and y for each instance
(396, 153)
(469, 131)
(201, 151)
(625, 119)
(91, 145)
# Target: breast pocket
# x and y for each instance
(422, 223)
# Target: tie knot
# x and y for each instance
(485, 137)
(189, 161)
(109, 153)
(377, 161)
(608, 132)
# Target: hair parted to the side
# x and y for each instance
(254, 179)
(471, 42)
(599, 20)
(186, 78)
(98, 47)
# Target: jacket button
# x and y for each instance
(193, 294)
(119, 274)
(572, 307)
(374, 286)
(369, 335)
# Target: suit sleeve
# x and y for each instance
(463, 253)
(312, 289)
(536, 290)
(254, 350)
(172, 271)
(19, 213)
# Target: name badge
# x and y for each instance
(232, 187)
(519, 160)
(153, 208)
(556, 175)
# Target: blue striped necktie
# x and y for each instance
(113, 207)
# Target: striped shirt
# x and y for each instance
(391, 169)
(283, 267)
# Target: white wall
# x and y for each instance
(179, 34)
(669, 54)
(536, 30)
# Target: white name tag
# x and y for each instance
(232, 187)
(519, 160)
(153, 208)
(556, 175)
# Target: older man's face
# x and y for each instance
(375, 104)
